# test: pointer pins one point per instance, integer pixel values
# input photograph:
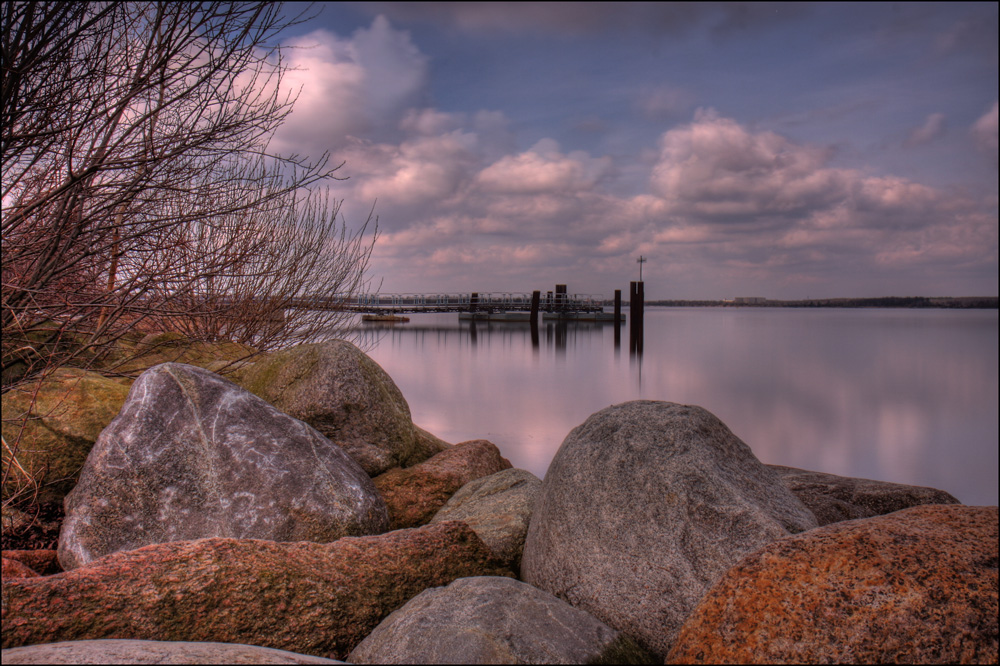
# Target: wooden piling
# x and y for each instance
(536, 297)
(637, 297)
(618, 317)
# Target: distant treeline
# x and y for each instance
(988, 302)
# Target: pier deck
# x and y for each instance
(484, 303)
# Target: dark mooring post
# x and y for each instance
(637, 298)
(536, 297)
(473, 301)
(618, 318)
(561, 296)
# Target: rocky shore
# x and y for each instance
(289, 511)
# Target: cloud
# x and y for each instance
(726, 206)
(713, 169)
(349, 87)
(421, 170)
(713, 202)
(933, 127)
(544, 169)
(984, 130)
(758, 204)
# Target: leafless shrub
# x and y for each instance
(138, 190)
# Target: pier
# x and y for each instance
(496, 306)
(503, 306)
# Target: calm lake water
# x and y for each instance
(898, 395)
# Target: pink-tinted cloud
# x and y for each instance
(719, 207)
(933, 127)
(544, 169)
(727, 205)
(715, 169)
(984, 130)
(349, 87)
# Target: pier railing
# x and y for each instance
(469, 302)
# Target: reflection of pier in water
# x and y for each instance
(557, 334)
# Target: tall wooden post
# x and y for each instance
(618, 318)
(561, 297)
(536, 297)
(637, 298)
(473, 301)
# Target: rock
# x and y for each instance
(833, 498)
(425, 445)
(42, 561)
(915, 586)
(15, 569)
(311, 598)
(413, 495)
(498, 508)
(70, 409)
(646, 505)
(154, 652)
(172, 347)
(490, 620)
(192, 455)
(334, 387)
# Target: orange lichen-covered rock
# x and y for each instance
(15, 569)
(914, 586)
(414, 494)
(42, 561)
(313, 598)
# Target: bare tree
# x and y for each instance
(137, 182)
(139, 192)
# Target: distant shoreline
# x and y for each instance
(963, 302)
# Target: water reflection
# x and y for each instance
(900, 395)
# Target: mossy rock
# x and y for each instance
(69, 410)
(172, 347)
(334, 387)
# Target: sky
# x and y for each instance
(782, 150)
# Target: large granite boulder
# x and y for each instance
(498, 508)
(491, 620)
(833, 498)
(192, 455)
(54, 423)
(334, 387)
(646, 505)
(414, 494)
(915, 586)
(312, 598)
(154, 652)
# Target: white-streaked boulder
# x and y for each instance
(192, 455)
